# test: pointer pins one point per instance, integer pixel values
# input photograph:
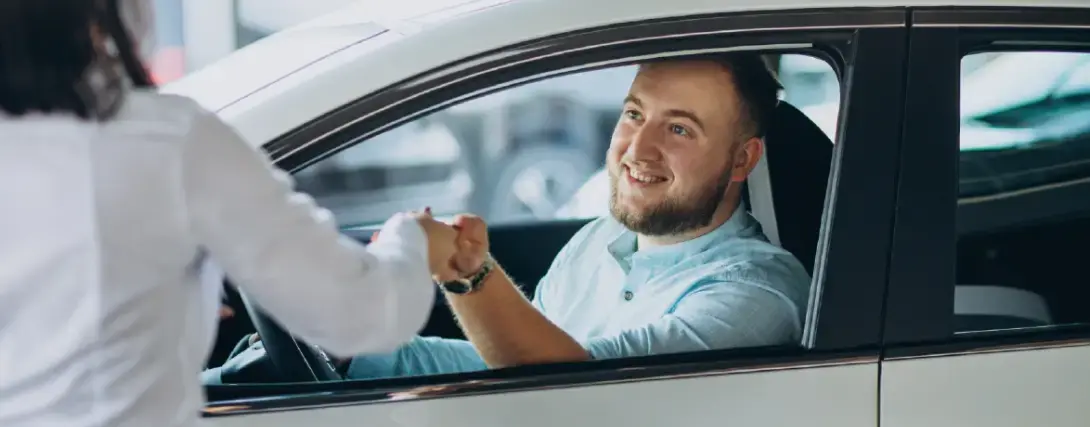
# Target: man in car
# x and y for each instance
(679, 265)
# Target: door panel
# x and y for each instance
(1002, 389)
(830, 396)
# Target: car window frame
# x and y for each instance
(843, 319)
(930, 217)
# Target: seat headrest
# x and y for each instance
(798, 155)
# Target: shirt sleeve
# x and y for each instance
(538, 300)
(717, 316)
(289, 256)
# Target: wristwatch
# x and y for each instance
(472, 282)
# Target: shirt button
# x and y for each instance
(628, 295)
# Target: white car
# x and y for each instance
(926, 308)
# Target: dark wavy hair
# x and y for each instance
(66, 57)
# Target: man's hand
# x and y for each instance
(472, 244)
(497, 318)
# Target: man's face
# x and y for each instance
(676, 148)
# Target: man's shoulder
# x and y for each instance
(754, 256)
(757, 262)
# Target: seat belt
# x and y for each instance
(760, 199)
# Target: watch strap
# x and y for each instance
(473, 281)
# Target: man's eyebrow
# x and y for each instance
(686, 114)
(633, 99)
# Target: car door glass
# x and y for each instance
(1024, 170)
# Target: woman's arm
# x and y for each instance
(289, 256)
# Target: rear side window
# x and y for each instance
(1024, 180)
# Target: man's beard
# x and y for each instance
(672, 215)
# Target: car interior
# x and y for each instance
(1023, 275)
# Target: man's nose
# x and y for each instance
(645, 145)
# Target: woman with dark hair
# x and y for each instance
(115, 199)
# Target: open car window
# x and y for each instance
(529, 159)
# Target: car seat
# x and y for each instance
(786, 191)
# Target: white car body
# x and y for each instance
(279, 84)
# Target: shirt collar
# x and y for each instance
(623, 246)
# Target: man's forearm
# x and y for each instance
(507, 330)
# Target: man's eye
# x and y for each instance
(633, 115)
(679, 129)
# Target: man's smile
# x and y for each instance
(641, 179)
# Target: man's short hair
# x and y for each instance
(757, 87)
(755, 83)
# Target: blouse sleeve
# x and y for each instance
(289, 257)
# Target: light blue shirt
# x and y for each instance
(728, 288)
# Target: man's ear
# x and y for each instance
(746, 158)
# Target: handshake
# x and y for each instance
(455, 250)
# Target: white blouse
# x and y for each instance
(106, 230)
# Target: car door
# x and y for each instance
(987, 312)
(829, 379)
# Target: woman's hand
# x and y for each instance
(442, 245)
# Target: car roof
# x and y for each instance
(291, 77)
(295, 48)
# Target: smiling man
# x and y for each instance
(679, 265)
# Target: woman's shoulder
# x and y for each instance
(172, 111)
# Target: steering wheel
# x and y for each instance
(295, 361)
